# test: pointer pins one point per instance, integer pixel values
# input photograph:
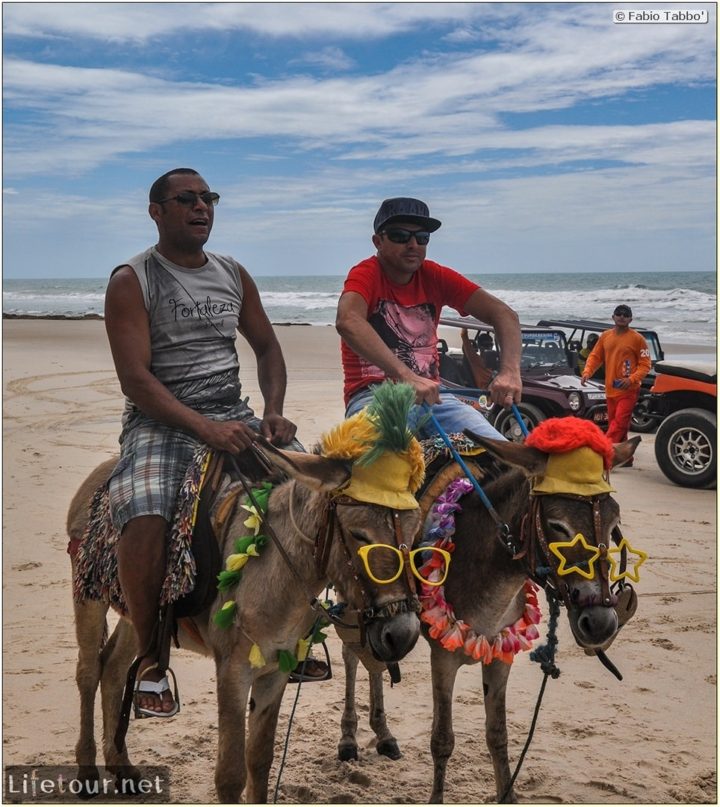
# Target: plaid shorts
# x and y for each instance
(153, 462)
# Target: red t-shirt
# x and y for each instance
(405, 317)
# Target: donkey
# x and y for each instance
(487, 587)
(272, 611)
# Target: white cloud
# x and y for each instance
(138, 22)
(330, 58)
(449, 104)
(318, 150)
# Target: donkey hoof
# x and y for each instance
(89, 778)
(389, 748)
(346, 753)
(127, 780)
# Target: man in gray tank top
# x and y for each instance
(171, 315)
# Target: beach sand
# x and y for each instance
(648, 739)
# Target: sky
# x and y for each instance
(546, 137)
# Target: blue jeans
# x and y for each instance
(451, 413)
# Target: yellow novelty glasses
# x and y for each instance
(565, 551)
(384, 564)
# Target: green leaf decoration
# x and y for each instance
(225, 616)
(389, 411)
(261, 495)
(287, 661)
(241, 544)
(318, 637)
(227, 580)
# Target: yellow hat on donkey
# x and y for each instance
(579, 454)
(388, 465)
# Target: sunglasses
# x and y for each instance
(399, 236)
(189, 198)
(623, 314)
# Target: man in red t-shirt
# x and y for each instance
(388, 315)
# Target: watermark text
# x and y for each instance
(63, 783)
(663, 16)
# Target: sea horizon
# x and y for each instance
(680, 305)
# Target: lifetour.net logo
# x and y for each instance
(58, 784)
(663, 16)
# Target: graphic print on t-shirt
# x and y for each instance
(409, 331)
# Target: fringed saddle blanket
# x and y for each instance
(97, 578)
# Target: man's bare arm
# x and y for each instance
(255, 326)
(488, 308)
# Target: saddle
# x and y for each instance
(441, 469)
(206, 501)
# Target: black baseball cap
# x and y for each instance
(402, 208)
(622, 311)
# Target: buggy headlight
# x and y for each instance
(574, 401)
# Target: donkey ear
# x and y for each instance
(622, 452)
(528, 459)
(311, 470)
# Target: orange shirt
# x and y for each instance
(625, 355)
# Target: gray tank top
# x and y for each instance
(193, 321)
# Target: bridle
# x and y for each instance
(331, 526)
(542, 566)
(322, 544)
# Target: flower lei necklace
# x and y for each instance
(245, 548)
(452, 633)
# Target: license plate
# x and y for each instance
(600, 417)
(596, 396)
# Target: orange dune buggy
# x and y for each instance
(684, 401)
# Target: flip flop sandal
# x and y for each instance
(155, 688)
(311, 669)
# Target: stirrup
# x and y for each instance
(298, 675)
(155, 688)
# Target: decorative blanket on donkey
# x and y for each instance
(97, 577)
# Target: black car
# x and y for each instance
(551, 387)
(577, 331)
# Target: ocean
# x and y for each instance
(680, 306)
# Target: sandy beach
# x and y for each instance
(648, 739)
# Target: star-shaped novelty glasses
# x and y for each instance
(585, 566)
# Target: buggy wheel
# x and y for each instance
(686, 448)
(640, 421)
(508, 426)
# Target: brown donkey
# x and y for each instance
(486, 586)
(273, 612)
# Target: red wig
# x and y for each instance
(560, 435)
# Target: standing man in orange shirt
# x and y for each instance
(626, 358)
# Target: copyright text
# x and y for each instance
(664, 16)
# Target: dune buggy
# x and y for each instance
(551, 387)
(684, 403)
